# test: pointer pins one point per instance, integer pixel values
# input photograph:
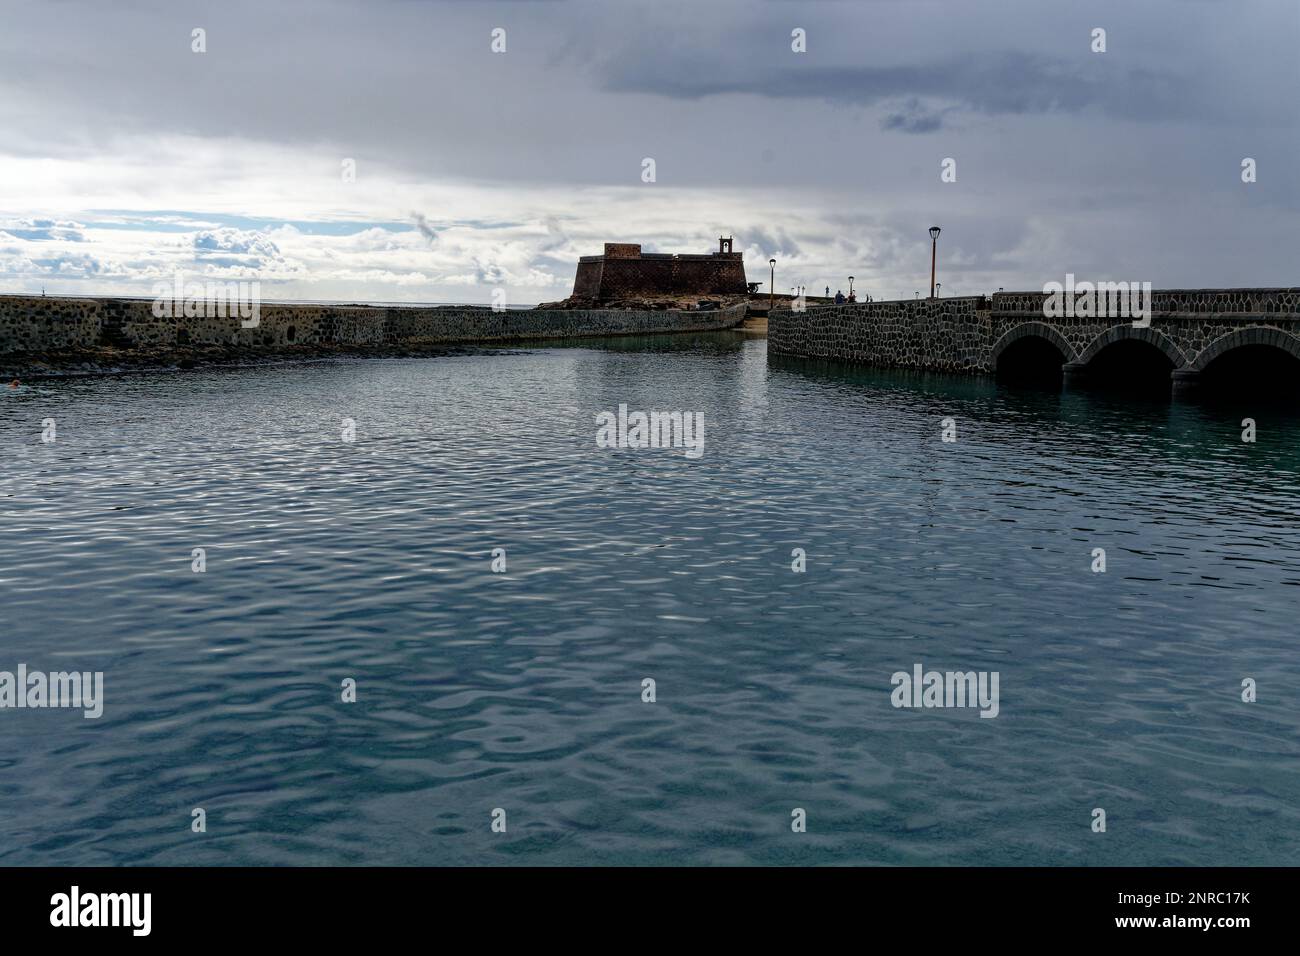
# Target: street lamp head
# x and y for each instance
(771, 262)
(934, 232)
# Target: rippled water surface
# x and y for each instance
(371, 560)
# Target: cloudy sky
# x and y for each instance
(127, 157)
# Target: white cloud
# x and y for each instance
(43, 230)
(249, 253)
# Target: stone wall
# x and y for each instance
(1191, 326)
(586, 281)
(36, 324)
(941, 334)
(649, 274)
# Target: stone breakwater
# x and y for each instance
(1191, 327)
(35, 327)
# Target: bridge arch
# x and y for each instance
(1031, 329)
(1257, 362)
(1128, 333)
(1259, 335)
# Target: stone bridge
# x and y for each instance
(1193, 335)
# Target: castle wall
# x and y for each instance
(624, 271)
(586, 282)
(720, 274)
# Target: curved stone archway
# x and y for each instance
(1259, 335)
(1038, 329)
(1128, 333)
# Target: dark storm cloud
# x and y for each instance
(912, 116)
(1009, 82)
(588, 88)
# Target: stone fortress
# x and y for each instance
(625, 272)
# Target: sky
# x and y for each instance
(127, 157)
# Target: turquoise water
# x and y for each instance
(371, 560)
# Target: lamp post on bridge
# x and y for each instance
(850, 288)
(934, 245)
(771, 286)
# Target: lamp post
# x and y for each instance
(938, 287)
(934, 243)
(850, 288)
(771, 286)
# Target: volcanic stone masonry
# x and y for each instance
(625, 271)
(37, 324)
(1190, 326)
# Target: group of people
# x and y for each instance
(840, 298)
